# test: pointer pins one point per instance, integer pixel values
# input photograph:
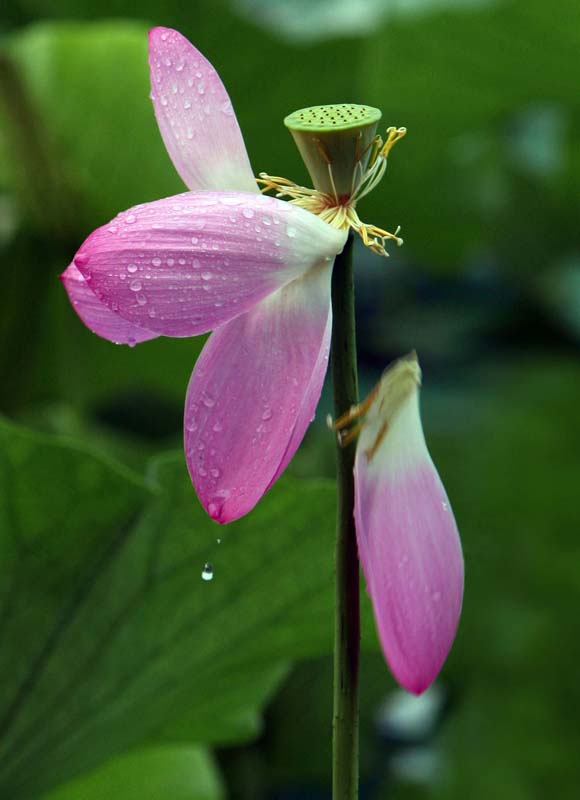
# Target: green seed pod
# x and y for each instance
(335, 143)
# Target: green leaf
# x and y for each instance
(111, 638)
(160, 773)
(76, 103)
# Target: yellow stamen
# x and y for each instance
(369, 453)
(339, 211)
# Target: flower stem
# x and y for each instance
(347, 618)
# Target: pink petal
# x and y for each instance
(186, 264)
(253, 393)
(96, 316)
(408, 541)
(195, 116)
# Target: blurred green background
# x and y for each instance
(122, 674)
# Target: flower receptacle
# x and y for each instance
(335, 142)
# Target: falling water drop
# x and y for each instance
(207, 572)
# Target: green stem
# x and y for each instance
(347, 620)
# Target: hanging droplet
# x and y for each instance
(207, 572)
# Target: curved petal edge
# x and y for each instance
(97, 316)
(253, 393)
(407, 537)
(195, 116)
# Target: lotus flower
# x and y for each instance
(222, 257)
(407, 537)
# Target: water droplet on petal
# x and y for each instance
(141, 300)
(208, 400)
(207, 572)
(290, 232)
(218, 427)
(267, 414)
(156, 262)
(130, 219)
(248, 213)
(206, 276)
(215, 473)
(132, 268)
(81, 259)
(136, 286)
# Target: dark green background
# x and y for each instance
(122, 674)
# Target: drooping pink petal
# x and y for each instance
(253, 393)
(186, 264)
(407, 537)
(195, 116)
(96, 316)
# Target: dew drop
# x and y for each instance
(136, 286)
(267, 414)
(218, 427)
(202, 471)
(206, 276)
(290, 232)
(141, 300)
(132, 268)
(130, 219)
(215, 473)
(207, 572)
(156, 262)
(187, 104)
(81, 259)
(248, 213)
(227, 108)
(208, 400)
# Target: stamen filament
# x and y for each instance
(340, 211)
